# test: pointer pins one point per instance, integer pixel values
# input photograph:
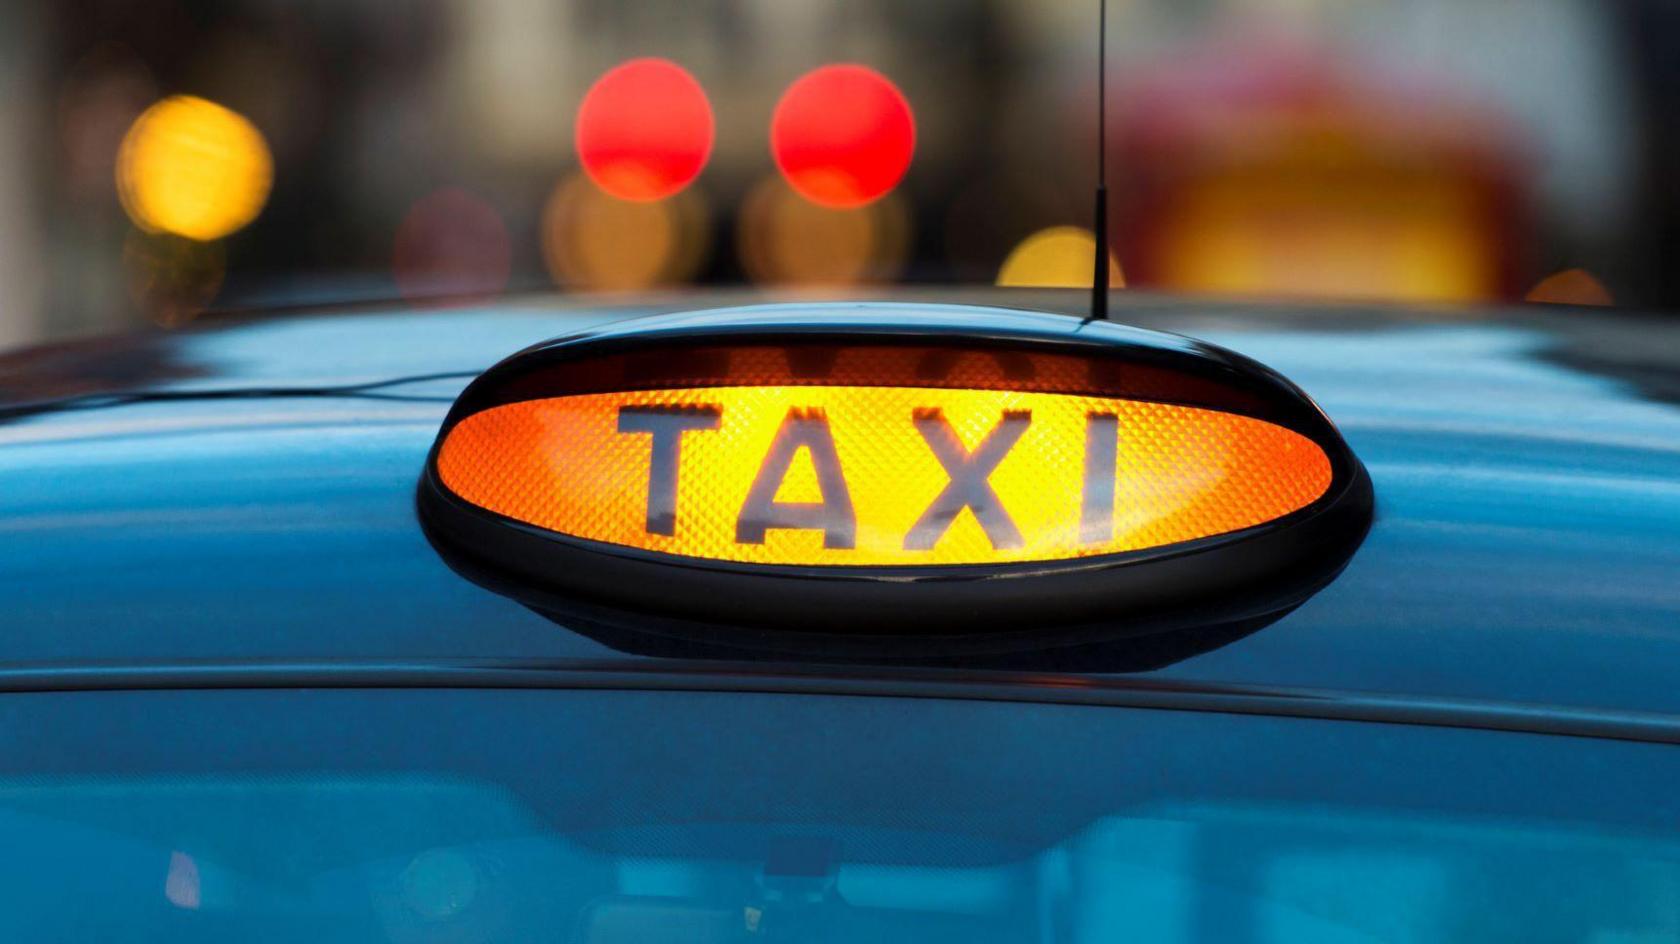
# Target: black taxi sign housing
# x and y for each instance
(895, 471)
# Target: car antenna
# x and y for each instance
(1099, 276)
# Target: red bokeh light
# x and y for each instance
(452, 247)
(842, 135)
(644, 130)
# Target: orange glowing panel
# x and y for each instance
(842, 135)
(878, 476)
(644, 130)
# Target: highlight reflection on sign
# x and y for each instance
(881, 476)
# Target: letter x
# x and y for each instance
(968, 487)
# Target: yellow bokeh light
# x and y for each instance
(1362, 232)
(193, 168)
(594, 241)
(748, 477)
(1057, 257)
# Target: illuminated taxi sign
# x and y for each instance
(893, 471)
(887, 476)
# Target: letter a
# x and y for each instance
(808, 430)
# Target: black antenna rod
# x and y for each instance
(1099, 276)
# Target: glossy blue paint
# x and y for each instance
(471, 815)
(1525, 547)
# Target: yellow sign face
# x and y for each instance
(878, 476)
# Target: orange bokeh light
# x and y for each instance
(593, 241)
(644, 130)
(787, 240)
(842, 135)
(1173, 473)
(1570, 287)
(171, 278)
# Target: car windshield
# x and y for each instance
(171, 162)
(413, 816)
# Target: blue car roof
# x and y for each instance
(1526, 467)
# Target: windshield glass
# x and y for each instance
(605, 817)
(165, 160)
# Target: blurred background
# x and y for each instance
(167, 162)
